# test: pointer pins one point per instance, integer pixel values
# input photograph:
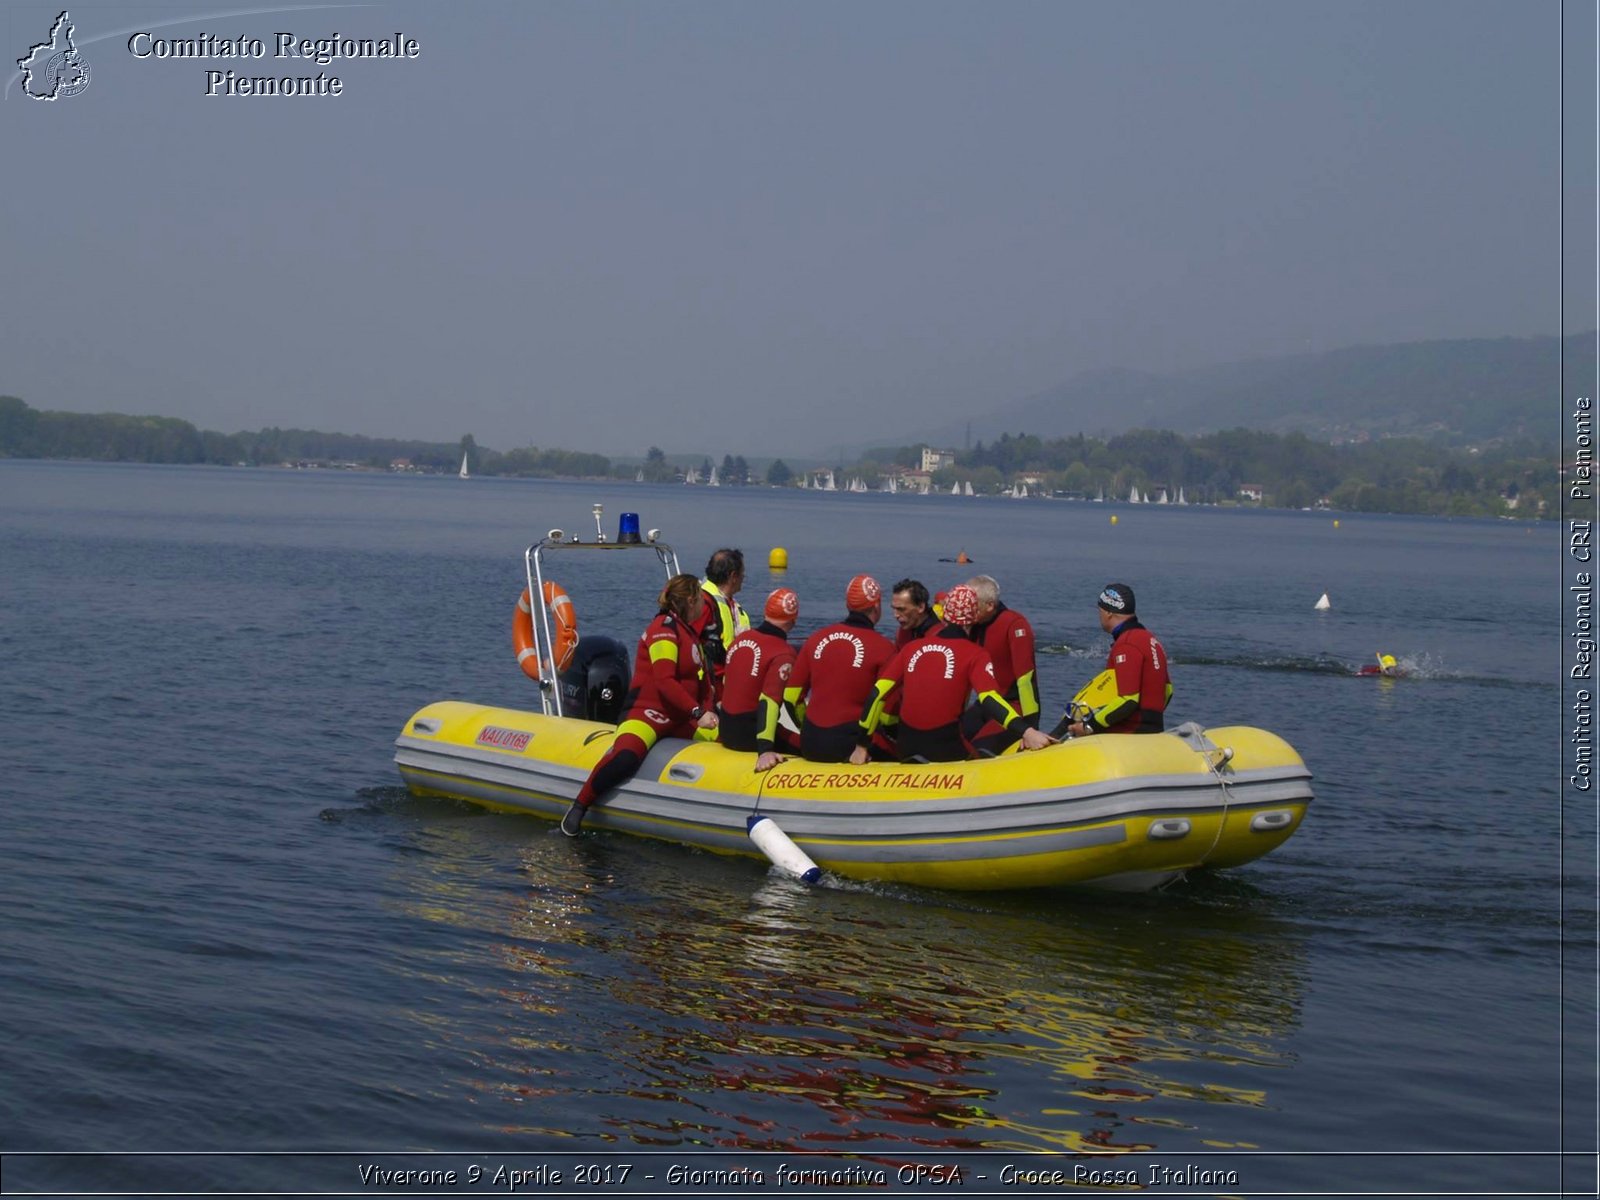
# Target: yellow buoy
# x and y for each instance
(778, 559)
(1336, 522)
(1113, 518)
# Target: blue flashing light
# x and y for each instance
(628, 529)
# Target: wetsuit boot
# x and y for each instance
(616, 768)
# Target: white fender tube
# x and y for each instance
(785, 855)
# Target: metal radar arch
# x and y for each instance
(628, 540)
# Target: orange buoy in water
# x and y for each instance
(565, 618)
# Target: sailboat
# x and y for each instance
(639, 478)
(1133, 496)
(715, 480)
(967, 489)
(1181, 500)
(955, 489)
(463, 472)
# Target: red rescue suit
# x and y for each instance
(833, 678)
(670, 691)
(932, 679)
(1008, 637)
(753, 682)
(1143, 687)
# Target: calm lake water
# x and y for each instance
(238, 956)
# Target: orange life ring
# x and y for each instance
(565, 619)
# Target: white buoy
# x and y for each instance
(785, 855)
(1323, 602)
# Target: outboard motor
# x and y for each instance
(595, 684)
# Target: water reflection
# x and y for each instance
(654, 997)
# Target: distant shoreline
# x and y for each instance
(1518, 480)
(1116, 506)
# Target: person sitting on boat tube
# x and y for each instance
(753, 684)
(917, 619)
(1008, 637)
(671, 695)
(1132, 693)
(834, 674)
(723, 619)
(934, 676)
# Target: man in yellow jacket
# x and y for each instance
(724, 619)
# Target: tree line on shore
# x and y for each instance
(1397, 474)
(1286, 470)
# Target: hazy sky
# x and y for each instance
(758, 227)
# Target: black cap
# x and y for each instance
(1117, 598)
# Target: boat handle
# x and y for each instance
(1161, 831)
(1268, 821)
(426, 725)
(686, 773)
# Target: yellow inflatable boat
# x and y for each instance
(1123, 812)
(1115, 811)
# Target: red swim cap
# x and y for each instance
(862, 593)
(783, 605)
